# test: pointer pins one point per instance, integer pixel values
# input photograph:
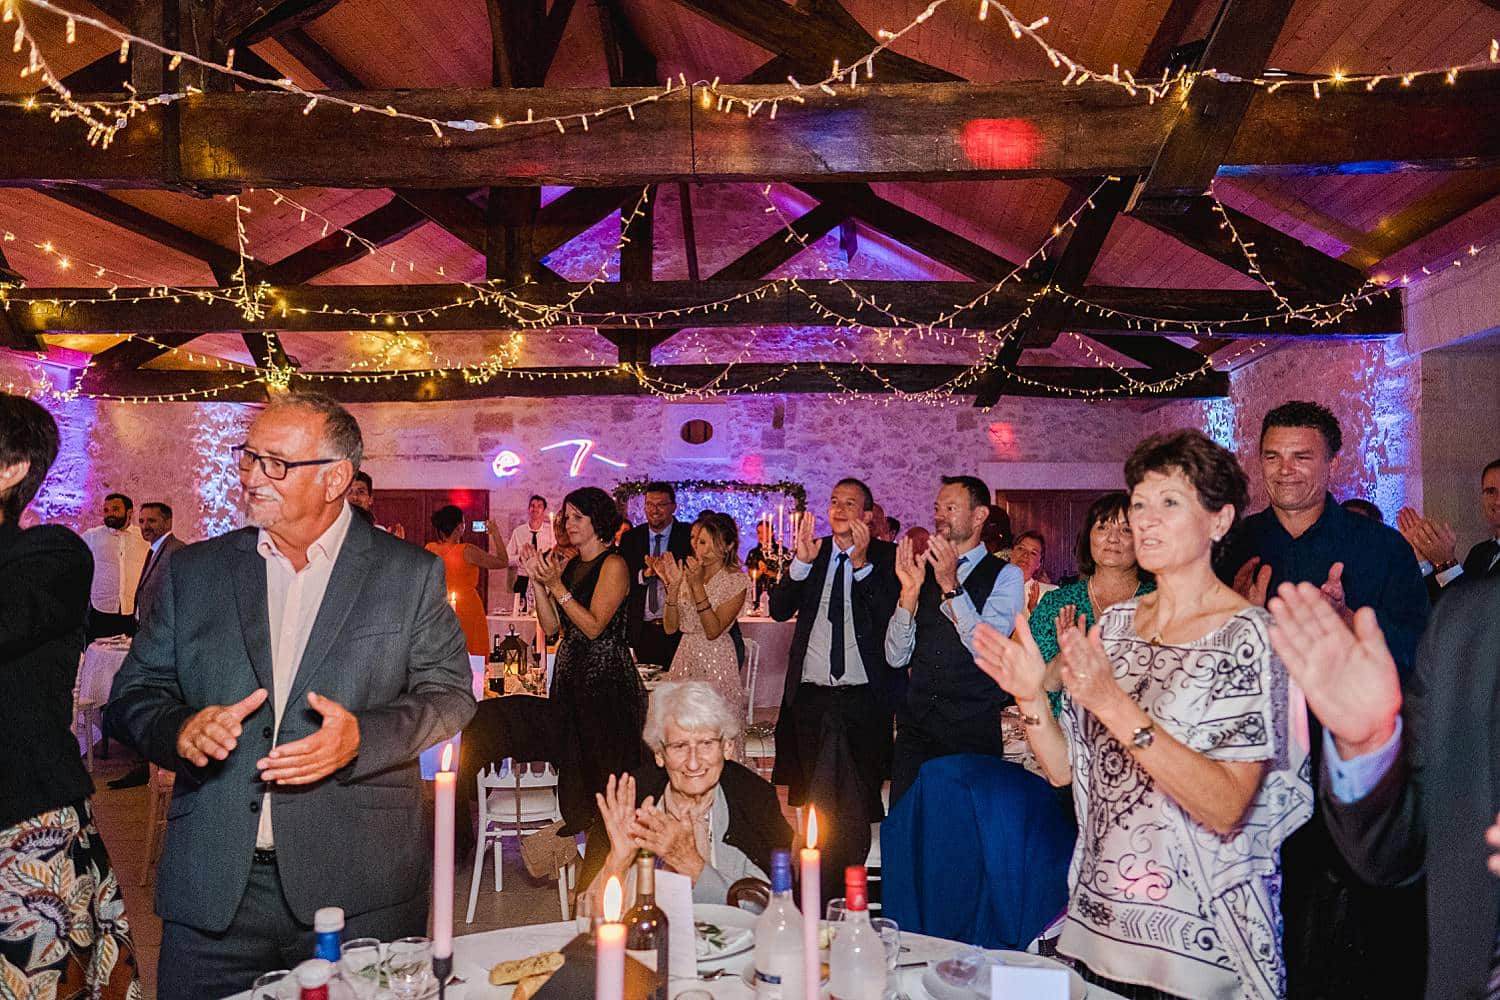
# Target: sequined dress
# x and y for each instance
(599, 701)
(700, 658)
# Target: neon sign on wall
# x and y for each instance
(507, 463)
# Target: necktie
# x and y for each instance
(145, 571)
(653, 593)
(1492, 988)
(533, 540)
(836, 619)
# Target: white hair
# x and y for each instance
(691, 705)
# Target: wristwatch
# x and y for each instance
(949, 595)
(1144, 736)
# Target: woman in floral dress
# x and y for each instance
(62, 920)
(705, 593)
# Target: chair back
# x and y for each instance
(752, 668)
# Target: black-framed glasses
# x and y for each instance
(274, 468)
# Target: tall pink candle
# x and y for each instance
(445, 784)
(812, 908)
(609, 955)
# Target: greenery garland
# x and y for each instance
(636, 487)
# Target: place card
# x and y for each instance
(1029, 982)
(674, 894)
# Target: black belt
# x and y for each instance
(265, 856)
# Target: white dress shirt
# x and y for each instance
(815, 666)
(293, 598)
(119, 557)
(1007, 599)
(522, 536)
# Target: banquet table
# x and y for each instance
(96, 673)
(474, 954)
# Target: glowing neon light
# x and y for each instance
(507, 463)
(585, 450)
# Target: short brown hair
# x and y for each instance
(1101, 511)
(1214, 472)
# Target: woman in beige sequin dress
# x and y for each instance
(705, 593)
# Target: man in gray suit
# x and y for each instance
(155, 522)
(291, 673)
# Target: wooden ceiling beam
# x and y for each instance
(808, 377)
(11, 334)
(384, 225)
(132, 354)
(244, 22)
(1451, 201)
(220, 260)
(303, 307)
(887, 132)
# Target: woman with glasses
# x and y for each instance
(704, 816)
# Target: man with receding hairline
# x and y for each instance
(291, 688)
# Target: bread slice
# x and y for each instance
(529, 985)
(542, 964)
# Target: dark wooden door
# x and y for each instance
(1058, 515)
(412, 509)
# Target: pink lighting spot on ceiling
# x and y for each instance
(1000, 143)
(1003, 437)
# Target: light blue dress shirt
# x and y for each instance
(1007, 599)
(1351, 780)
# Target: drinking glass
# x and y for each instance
(359, 964)
(890, 937)
(278, 985)
(585, 919)
(834, 914)
(408, 967)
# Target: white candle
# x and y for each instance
(446, 783)
(811, 909)
(453, 599)
(609, 956)
(780, 538)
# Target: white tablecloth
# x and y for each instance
(775, 639)
(474, 954)
(101, 661)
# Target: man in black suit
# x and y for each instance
(833, 734)
(1436, 544)
(1411, 792)
(660, 535)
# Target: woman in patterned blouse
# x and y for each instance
(1174, 736)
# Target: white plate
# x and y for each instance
(933, 988)
(738, 926)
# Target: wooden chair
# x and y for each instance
(160, 790)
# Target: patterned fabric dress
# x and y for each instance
(1155, 898)
(63, 933)
(700, 658)
(599, 701)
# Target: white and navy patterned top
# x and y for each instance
(1156, 898)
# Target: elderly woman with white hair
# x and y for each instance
(706, 817)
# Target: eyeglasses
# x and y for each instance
(679, 749)
(274, 468)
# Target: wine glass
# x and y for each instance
(278, 985)
(359, 964)
(408, 967)
(890, 937)
(834, 914)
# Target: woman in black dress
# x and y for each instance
(597, 694)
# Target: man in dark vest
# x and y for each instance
(951, 706)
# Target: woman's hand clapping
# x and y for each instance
(1086, 671)
(1013, 662)
(617, 807)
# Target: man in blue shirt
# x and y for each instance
(1342, 939)
(1412, 790)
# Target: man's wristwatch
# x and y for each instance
(949, 595)
(1144, 736)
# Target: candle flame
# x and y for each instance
(614, 897)
(448, 757)
(812, 827)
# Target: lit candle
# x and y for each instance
(780, 538)
(609, 956)
(811, 909)
(445, 784)
(453, 599)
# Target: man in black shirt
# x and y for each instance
(1342, 939)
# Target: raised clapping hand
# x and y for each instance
(1067, 620)
(617, 807)
(1434, 541)
(692, 571)
(1252, 581)
(315, 757)
(1333, 589)
(1348, 677)
(807, 546)
(860, 529)
(908, 567)
(1087, 672)
(942, 555)
(545, 570)
(1014, 663)
(669, 838)
(670, 570)
(215, 731)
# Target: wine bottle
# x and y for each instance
(646, 934)
(778, 937)
(328, 924)
(856, 964)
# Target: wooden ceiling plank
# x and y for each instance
(11, 334)
(1450, 202)
(887, 132)
(244, 22)
(220, 260)
(81, 310)
(689, 235)
(133, 353)
(382, 226)
(813, 376)
(1241, 41)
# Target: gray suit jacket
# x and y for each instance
(153, 574)
(385, 645)
(1428, 815)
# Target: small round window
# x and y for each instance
(697, 431)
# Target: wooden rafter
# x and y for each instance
(302, 307)
(1450, 202)
(245, 22)
(810, 376)
(379, 227)
(11, 334)
(220, 260)
(133, 353)
(1243, 35)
